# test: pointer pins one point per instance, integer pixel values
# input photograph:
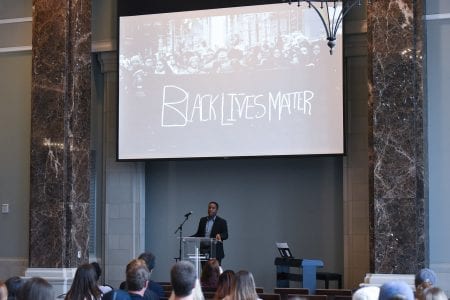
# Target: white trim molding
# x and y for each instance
(16, 20)
(61, 279)
(97, 46)
(372, 279)
(103, 46)
(355, 27)
(437, 17)
(15, 49)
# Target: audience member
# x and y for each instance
(424, 279)
(14, 284)
(98, 272)
(396, 290)
(116, 295)
(243, 287)
(84, 285)
(224, 285)
(137, 279)
(3, 291)
(210, 274)
(148, 294)
(433, 293)
(183, 278)
(36, 288)
(366, 293)
(150, 259)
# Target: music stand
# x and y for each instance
(284, 250)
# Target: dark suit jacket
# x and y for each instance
(219, 227)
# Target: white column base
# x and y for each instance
(60, 279)
(379, 279)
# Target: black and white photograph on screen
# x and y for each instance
(217, 44)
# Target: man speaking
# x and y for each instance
(213, 226)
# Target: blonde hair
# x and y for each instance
(243, 287)
(433, 293)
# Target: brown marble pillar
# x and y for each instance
(396, 101)
(61, 82)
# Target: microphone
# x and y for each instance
(188, 214)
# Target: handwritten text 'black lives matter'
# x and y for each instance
(179, 108)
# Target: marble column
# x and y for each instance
(60, 133)
(396, 136)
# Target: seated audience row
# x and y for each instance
(425, 289)
(186, 286)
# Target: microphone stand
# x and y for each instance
(180, 229)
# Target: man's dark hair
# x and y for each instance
(137, 277)
(215, 203)
(84, 284)
(14, 284)
(98, 270)
(149, 259)
(36, 288)
(182, 277)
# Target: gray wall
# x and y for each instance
(15, 94)
(14, 152)
(297, 200)
(438, 89)
(104, 21)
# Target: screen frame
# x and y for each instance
(139, 7)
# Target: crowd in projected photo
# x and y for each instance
(223, 44)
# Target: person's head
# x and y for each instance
(160, 66)
(304, 48)
(149, 62)
(396, 290)
(276, 53)
(149, 259)
(84, 284)
(97, 269)
(244, 286)
(222, 56)
(36, 288)
(137, 278)
(194, 61)
(3, 291)
(425, 278)
(316, 49)
(366, 293)
(182, 278)
(135, 263)
(224, 284)
(116, 295)
(213, 207)
(210, 273)
(433, 293)
(14, 284)
(235, 39)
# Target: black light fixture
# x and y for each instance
(330, 16)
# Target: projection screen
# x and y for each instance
(230, 82)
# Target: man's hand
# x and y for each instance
(218, 237)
